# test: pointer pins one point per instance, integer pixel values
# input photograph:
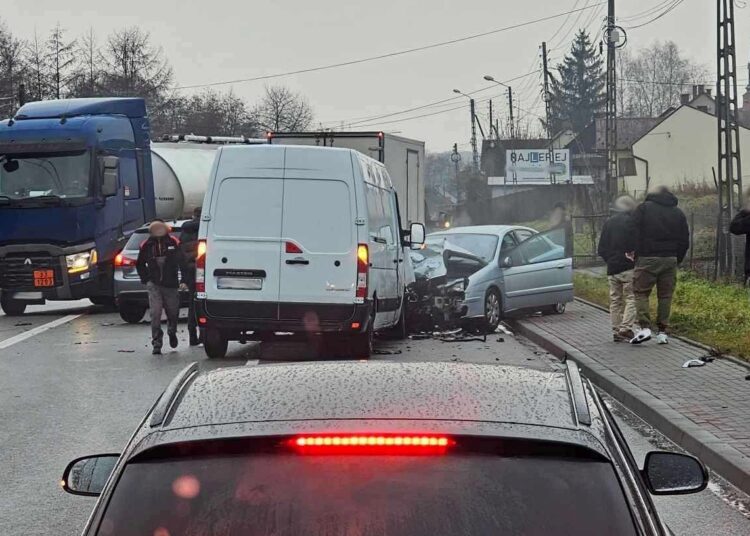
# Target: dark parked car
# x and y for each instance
(376, 448)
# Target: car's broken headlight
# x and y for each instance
(458, 286)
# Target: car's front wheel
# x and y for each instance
(132, 314)
(492, 310)
(10, 306)
(215, 344)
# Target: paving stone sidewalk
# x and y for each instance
(712, 402)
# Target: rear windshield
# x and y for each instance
(137, 238)
(349, 495)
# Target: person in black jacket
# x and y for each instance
(189, 239)
(741, 226)
(662, 240)
(615, 242)
(160, 264)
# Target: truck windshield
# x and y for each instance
(64, 175)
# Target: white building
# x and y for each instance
(681, 149)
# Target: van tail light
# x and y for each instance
(363, 268)
(380, 444)
(121, 260)
(200, 267)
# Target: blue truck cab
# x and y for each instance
(75, 182)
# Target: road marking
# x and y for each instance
(36, 331)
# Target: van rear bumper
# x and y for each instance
(234, 318)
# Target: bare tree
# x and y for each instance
(281, 109)
(12, 67)
(87, 67)
(135, 67)
(37, 86)
(654, 77)
(61, 58)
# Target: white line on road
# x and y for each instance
(36, 331)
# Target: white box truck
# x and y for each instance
(403, 158)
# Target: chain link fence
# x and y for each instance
(701, 258)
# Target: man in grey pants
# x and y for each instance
(160, 265)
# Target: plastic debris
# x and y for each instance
(690, 363)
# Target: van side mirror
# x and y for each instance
(110, 170)
(670, 473)
(88, 475)
(416, 234)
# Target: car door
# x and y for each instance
(536, 272)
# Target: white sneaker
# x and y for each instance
(661, 338)
(642, 335)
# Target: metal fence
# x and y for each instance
(701, 258)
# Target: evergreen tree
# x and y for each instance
(578, 91)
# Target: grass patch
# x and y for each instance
(715, 314)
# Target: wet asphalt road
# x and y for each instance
(82, 386)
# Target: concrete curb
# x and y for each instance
(725, 460)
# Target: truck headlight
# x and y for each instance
(81, 262)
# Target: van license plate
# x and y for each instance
(239, 283)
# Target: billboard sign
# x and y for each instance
(535, 165)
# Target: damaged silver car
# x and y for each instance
(475, 275)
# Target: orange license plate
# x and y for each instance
(44, 278)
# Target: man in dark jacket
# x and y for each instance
(741, 226)
(160, 263)
(662, 240)
(189, 239)
(615, 242)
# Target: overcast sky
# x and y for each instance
(213, 41)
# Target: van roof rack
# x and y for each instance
(580, 404)
(219, 140)
(170, 394)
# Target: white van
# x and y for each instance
(300, 239)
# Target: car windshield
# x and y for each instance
(64, 175)
(346, 495)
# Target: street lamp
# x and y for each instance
(510, 102)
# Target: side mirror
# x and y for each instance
(110, 170)
(506, 262)
(88, 475)
(670, 473)
(416, 234)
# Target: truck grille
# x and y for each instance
(17, 273)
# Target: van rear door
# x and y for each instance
(243, 253)
(318, 236)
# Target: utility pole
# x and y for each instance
(730, 172)
(547, 114)
(491, 122)
(474, 149)
(510, 113)
(611, 36)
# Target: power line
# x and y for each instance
(675, 4)
(645, 13)
(390, 54)
(355, 121)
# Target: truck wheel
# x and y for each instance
(10, 306)
(132, 314)
(215, 344)
(493, 310)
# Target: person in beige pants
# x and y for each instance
(615, 244)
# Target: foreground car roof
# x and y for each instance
(394, 391)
